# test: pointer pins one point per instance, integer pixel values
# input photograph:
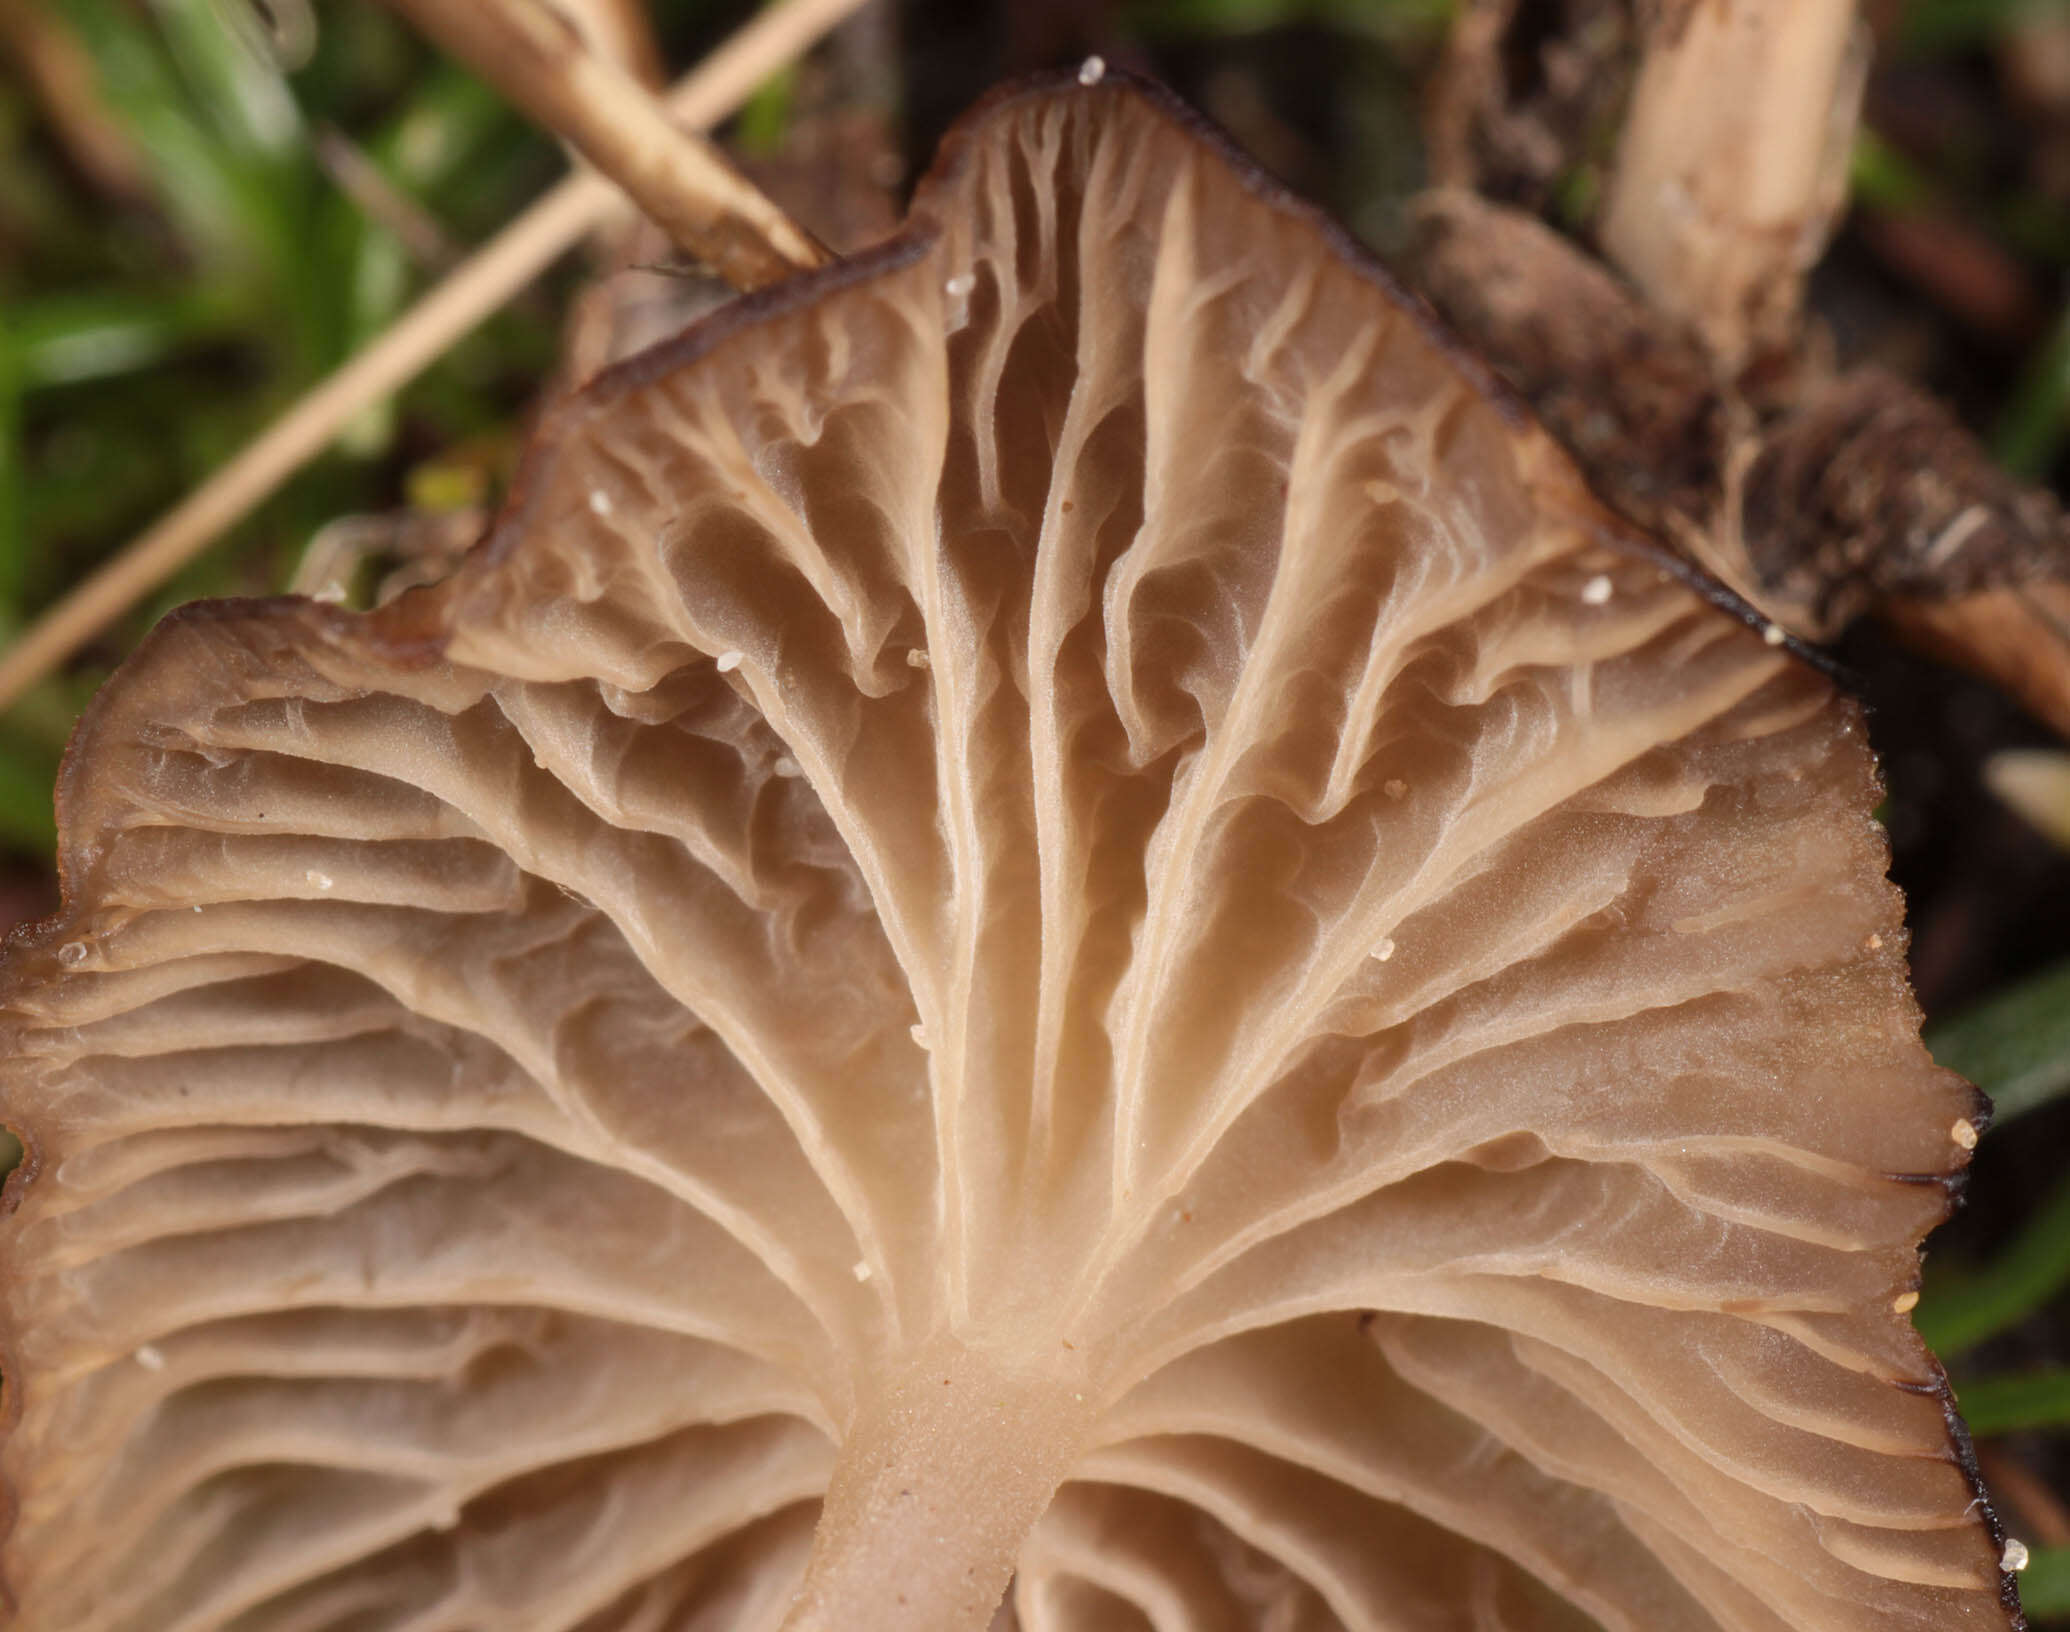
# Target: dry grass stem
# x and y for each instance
(58, 73)
(381, 201)
(537, 57)
(1733, 164)
(412, 343)
(2017, 637)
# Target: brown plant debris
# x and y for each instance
(1820, 497)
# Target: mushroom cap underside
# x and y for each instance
(1077, 802)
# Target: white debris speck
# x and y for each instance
(1394, 787)
(1956, 534)
(919, 1033)
(917, 659)
(599, 502)
(786, 766)
(1873, 944)
(1964, 1133)
(861, 1271)
(1905, 1302)
(150, 1357)
(2015, 1557)
(72, 954)
(1774, 634)
(1092, 70)
(728, 662)
(321, 881)
(958, 287)
(1384, 950)
(1596, 591)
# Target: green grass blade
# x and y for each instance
(2016, 1045)
(13, 537)
(448, 126)
(1929, 27)
(69, 338)
(236, 86)
(2002, 1405)
(203, 188)
(2034, 424)
(26, 822)
(1883, 178)
(2045, 1583)
(1957, 1314)
(760, 126)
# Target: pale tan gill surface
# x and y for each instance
(1070, 812)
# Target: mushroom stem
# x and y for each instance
(941, 1477)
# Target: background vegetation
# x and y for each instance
(228, 198)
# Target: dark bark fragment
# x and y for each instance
(1629, 392)
(1872, 489)
(1819, 497)
(1526, 92)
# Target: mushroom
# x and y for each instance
(1054, 919)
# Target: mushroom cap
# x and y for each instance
(1077, 806)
